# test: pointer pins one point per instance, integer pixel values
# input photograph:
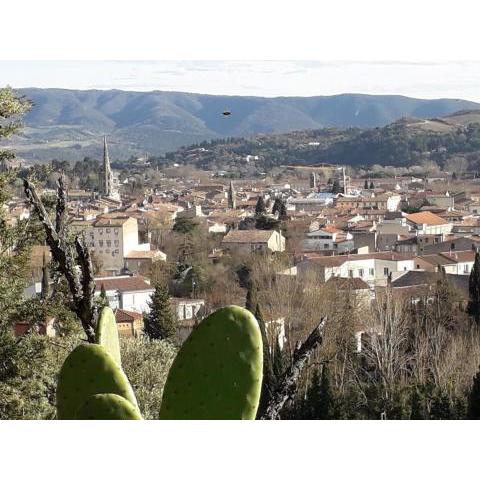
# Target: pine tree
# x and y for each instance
(260, 208)
(474, 290)
(474, 399)
(319, 401)
(160, 323)
(365, 185)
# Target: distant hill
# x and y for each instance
(68, 124)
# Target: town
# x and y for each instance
(381, 258)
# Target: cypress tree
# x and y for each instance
(319, 401)
(474, 290)
(336, 186)
(365, 185)
(474, 399)
(103, 299)
(260, 208)
(372, 186)
(276, 206)
(45, 279)
(283, 211)
(160, 323)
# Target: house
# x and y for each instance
(131, 293)
(247, 241)
(373, 268)
(112, 239)
(328, 238)
(428, 223)
(457, 263)
(129, 324)
(138, 261)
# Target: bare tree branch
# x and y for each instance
(81, 287)
(285, 392)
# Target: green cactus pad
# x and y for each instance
(89, 370)
(107, 406)
(106, 334)
(217, 373)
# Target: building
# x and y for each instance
(112, 239)
(425, 223)
(373, 268)
(129, 324)
(247, 241)
(131, 293)
(457, 263)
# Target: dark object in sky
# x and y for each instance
(226, 113)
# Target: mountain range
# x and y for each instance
(69, 124)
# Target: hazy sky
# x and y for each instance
(264, 78)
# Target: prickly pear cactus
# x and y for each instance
(217, 373)
(87, 371)
(107, 406)
(106, 334)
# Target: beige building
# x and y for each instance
(247, 241)
(112, 240)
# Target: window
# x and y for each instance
(452, 246)
(116, 242)
(350, 273)
(109, 243)
(371, 271)
(418, 266)
(100, 243)
(325, 245)
(115, 231)
(107, 230)
(385, 271)
(465, 268)
(360, 272)
(100, 231)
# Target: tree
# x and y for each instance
(184, 225)
(336, 187)
(372, 186)
(474, 399)
(45, 279)
(319, 402)
(474, 290)
(260, 207)
(102, 300)
(12, 108)
(365, 185)
(160, 323)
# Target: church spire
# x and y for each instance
(107, 171)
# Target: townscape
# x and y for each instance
(389, 259)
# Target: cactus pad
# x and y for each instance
(89, 370)
(217, 373)
(106, 334)
(107, 406)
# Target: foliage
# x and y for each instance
(160, 322)
(474, 290)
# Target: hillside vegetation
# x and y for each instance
(68, 124)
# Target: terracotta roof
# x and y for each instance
(337, 260)
(123, 283)
(247, 236)
(449, 258)
(427, 218)
(123, 316)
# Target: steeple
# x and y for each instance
(107, 171)
(232, 202)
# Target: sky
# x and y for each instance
(434, 79)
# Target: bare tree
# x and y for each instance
(73, 261)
